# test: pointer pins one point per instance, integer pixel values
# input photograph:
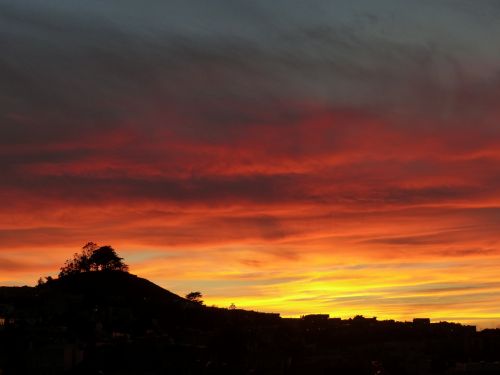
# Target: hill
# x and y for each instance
(111, 322)
(113, 286)
(114, 322)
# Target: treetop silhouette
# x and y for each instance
(93, 258)
(195, 297)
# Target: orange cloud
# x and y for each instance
(339, 173)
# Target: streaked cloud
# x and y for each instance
(335, 157)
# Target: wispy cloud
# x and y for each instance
(344, 154)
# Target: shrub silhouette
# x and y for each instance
(195, 297)
(93, 258)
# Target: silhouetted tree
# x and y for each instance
(105, 259)
(88, 250)
(195, 297)
(93, 258)
(71, 266)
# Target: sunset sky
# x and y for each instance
(288, 156)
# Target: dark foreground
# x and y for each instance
(117, 323)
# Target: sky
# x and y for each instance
(292, 156)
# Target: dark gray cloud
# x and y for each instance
(71, 67)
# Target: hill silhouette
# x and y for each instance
(122, 291)
(113, 322)
(113, 285)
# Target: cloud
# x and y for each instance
(312, 151)
(11, 265)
